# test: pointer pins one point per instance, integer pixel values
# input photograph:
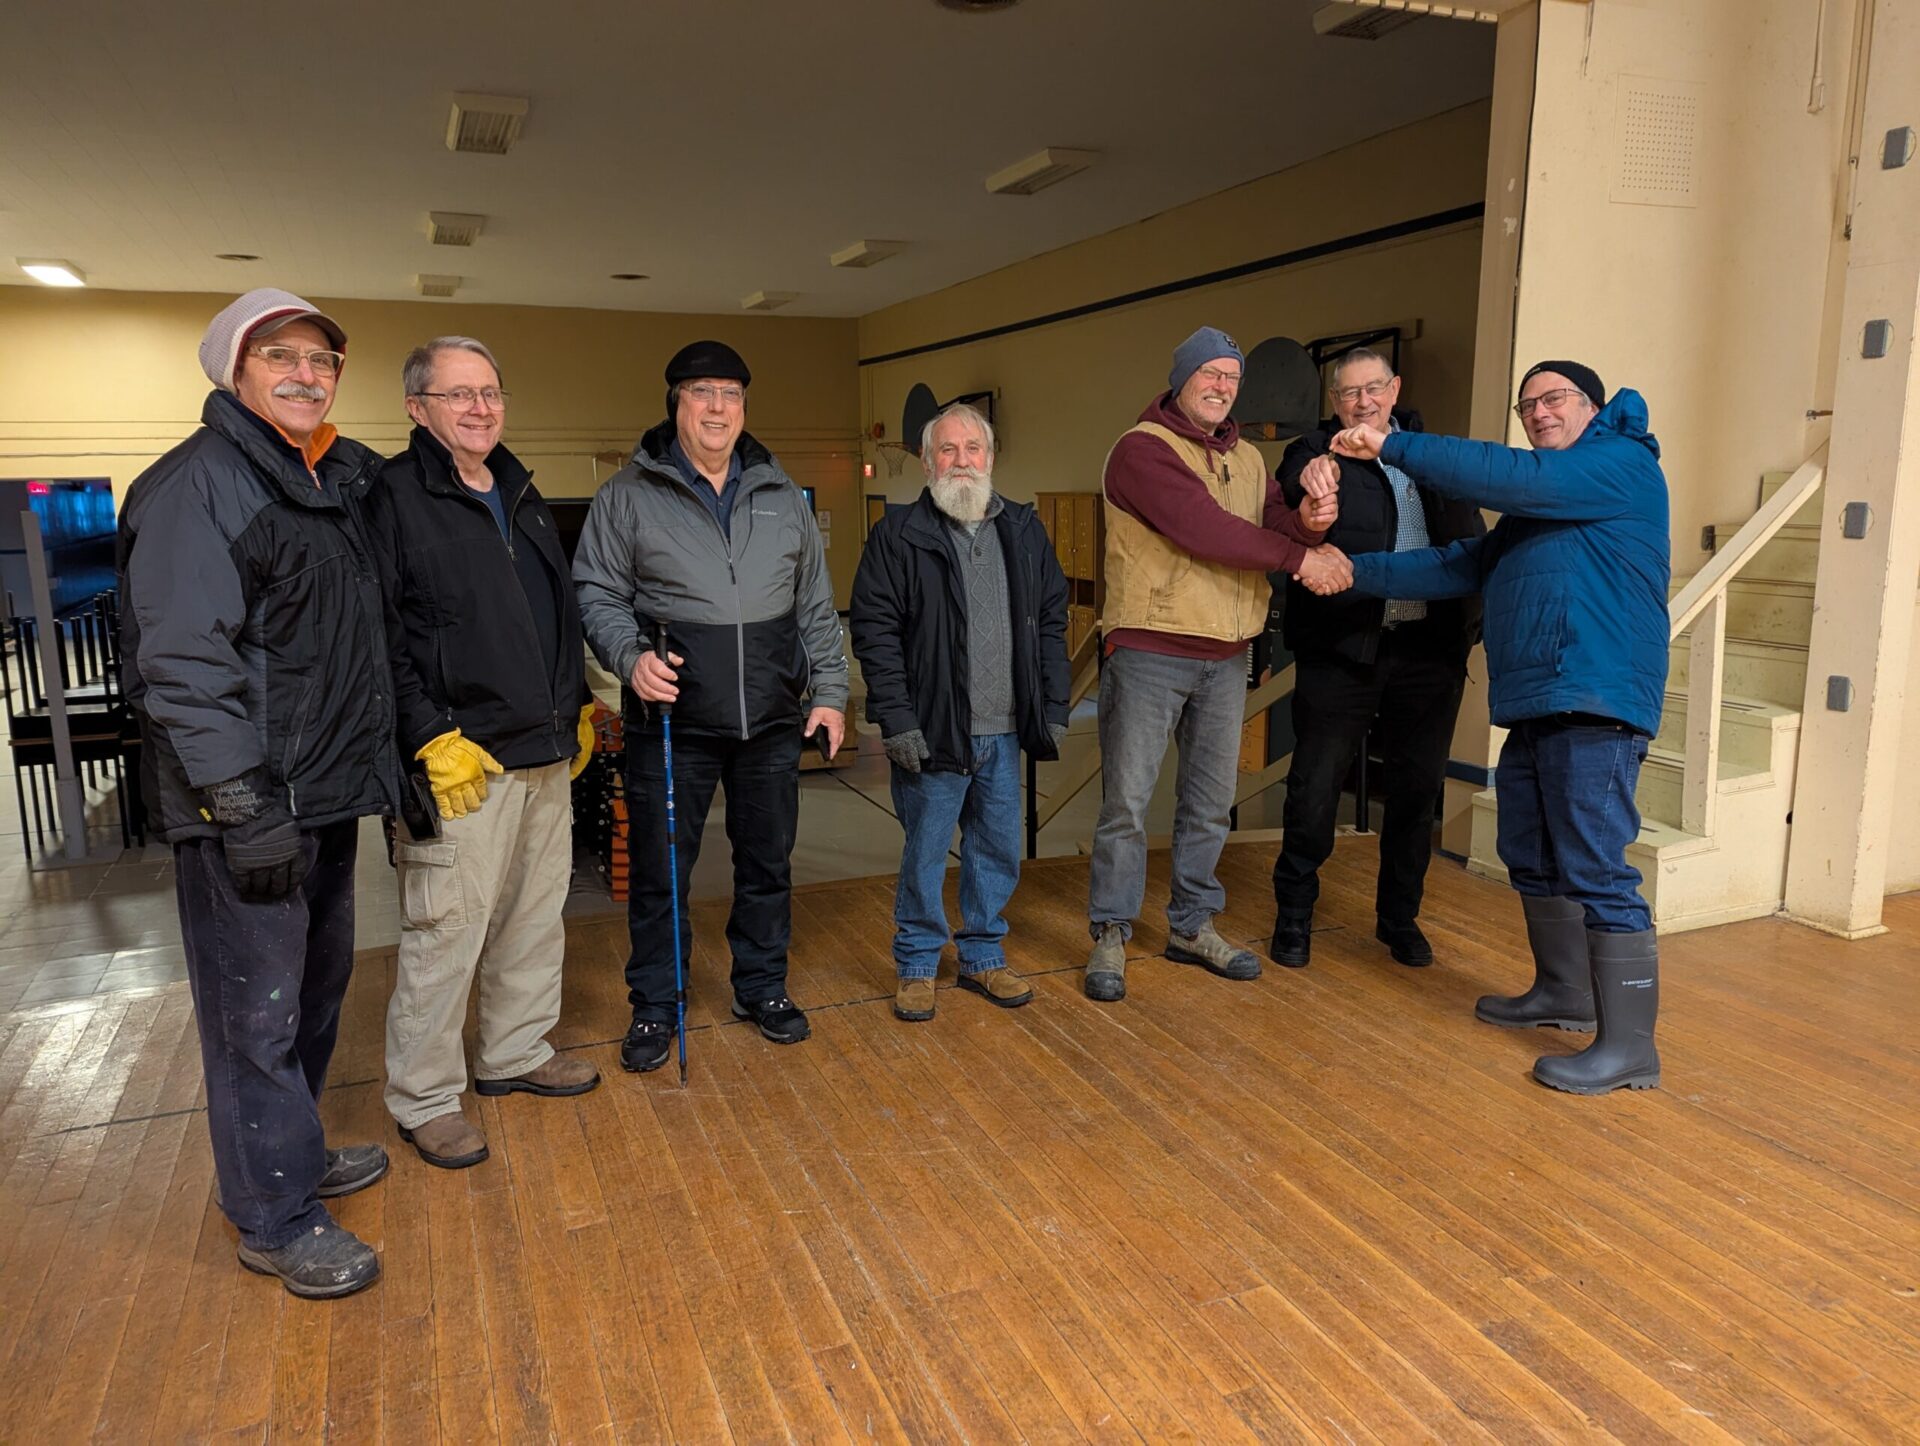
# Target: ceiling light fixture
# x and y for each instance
(52, 273)
(484, 125)
(430, 285)
(454, 228)
(767, 300)
(863, 254)
(235, 256)
(1043, 168)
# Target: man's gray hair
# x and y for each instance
(965, 413)
(1354, 358)
(416, 374)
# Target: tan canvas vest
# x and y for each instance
(1153, 585)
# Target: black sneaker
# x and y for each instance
(778, 1018)
(1292, 944)
(352, 1168)
(1405, 942)
(646, 1046)
(324, 1263)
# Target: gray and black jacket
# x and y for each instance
(752, 613)
(252, 626)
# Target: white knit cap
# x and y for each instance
(259, 313)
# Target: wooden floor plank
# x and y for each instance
(1326, 1205)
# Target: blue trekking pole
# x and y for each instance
(673, 859)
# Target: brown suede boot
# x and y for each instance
(913, 1000)
(1002, 986)
(560, 1075)
(448, 1141)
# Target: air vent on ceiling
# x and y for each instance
(863, 254)
(453, 228)
(767, 300)
(437, 285)
(484, 125)
(1359, 22)
(1038, 171)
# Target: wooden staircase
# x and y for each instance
(1691, 879)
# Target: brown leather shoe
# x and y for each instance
(447, 1141)
(913, 1000)
(560, 1075)
(1002, 986)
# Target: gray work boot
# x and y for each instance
(320, 1264)
(1107, 966)
(1212, 953)
(1561, 994)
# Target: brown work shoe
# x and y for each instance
(913, 1000)
(1002, 986)
(447, 1141)
(560, 1075)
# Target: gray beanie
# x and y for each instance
(1207, 344)
(260, 312)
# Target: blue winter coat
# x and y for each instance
(1574, 575)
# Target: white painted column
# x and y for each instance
(1864, 591)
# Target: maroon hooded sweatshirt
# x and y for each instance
(1148, 481)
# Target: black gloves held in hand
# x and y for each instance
(261, 840)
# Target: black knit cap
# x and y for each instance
(707, 359)
(1585, 378)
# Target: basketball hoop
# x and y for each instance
(895, 455)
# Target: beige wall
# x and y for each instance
(1903, 842)
(99, 383)
(1066, 391)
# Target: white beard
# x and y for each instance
(962, 494)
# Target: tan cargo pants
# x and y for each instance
(485, 897)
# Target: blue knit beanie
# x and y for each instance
(1207, 344)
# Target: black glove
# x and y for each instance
(261, 840)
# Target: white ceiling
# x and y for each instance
(721, 147)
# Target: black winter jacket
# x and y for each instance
(466, 653)
(1347, 625)
(909, 623)
(252, 629)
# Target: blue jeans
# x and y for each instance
(1145, 699)
(985, 805)
(1567, 814)
(267, 979)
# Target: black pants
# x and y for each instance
(267, 981)
(1408, 699)
(762, 779)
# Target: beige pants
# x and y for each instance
(486, 896)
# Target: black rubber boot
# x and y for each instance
(1292, 944)
(1626, 995)
(1562, 992)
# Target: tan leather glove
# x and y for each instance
(457, 770)
(587, 739)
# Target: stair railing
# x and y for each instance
(1701, 606)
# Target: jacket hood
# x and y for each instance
(1162, 411)
(1624, 415)
(653, 453)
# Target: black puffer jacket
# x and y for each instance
(909, 623)
(467, 651)
(252, 627)
(1347, 625)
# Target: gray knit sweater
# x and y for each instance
(983, 572)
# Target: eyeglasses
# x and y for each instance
(1220, 378)
(283, 359)
(1552, 400)
(1371, 389)
(464, 397)
(705, 393)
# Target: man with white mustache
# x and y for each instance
(1194, 525)
(253, 633)
(959, 621)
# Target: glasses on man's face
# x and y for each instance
(1552, 401)
(1373, 389)
(1218, 378)
(706, 394)
(463, 398)
(283, 359)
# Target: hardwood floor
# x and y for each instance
(1324, 1206)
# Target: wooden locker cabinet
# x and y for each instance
(1076, 522)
